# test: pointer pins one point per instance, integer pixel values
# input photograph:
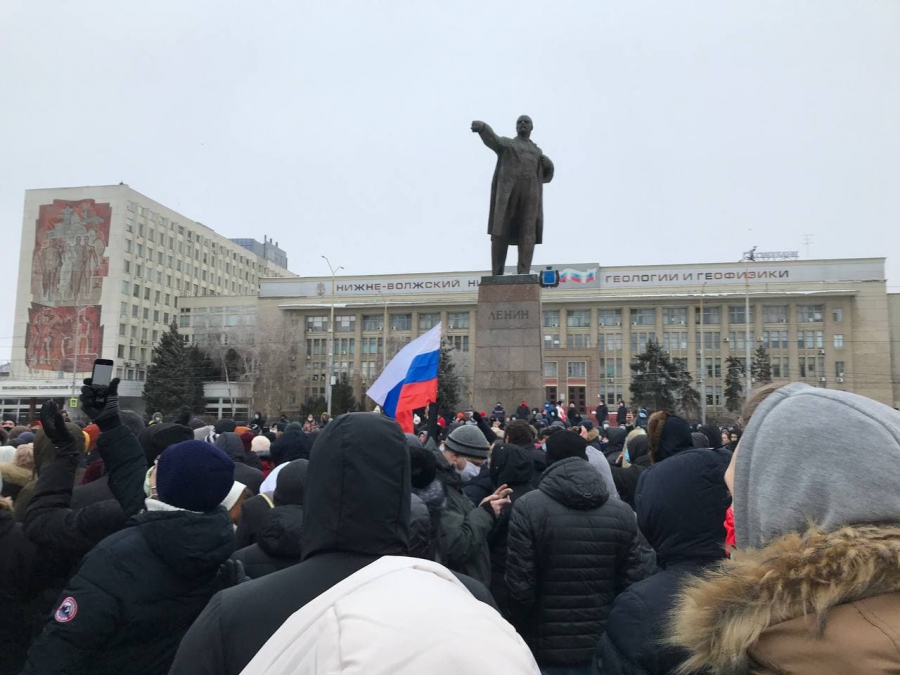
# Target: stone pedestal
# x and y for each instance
(508, 358)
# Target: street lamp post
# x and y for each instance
(330, 381)
(384, 333)
(748, 257)
(702, 373)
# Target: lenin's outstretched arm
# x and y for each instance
(490, 139)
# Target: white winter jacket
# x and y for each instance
(397, 616)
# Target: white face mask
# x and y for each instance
(469, 471)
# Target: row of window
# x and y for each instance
(612, 368)
(678, 340)
(678, 316)
(177, 265)
(173, 226)
(375, 322)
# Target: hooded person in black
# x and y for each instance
(571, 550)
(681, 505)
(290, 446)
(713, 435)
(279, 542)
(511, 465)
(232, 445)
(356, 509)
(616, 437)
(626, 477)
(668, 435)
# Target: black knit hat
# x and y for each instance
(565, 444)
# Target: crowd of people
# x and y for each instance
(546, 540)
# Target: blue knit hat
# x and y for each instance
(194, 475)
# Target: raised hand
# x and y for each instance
(54, 425)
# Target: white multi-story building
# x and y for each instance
(101, 272)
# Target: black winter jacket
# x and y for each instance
(626, 478)
(572, 549)
(254, 512)
(356, 509)
(681, 506)
(134, 596)
(480, 486)
(20, 581)
(511, 466)
(232, 445)
(54, 527)
(278, 545)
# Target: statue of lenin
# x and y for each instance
(516, 215)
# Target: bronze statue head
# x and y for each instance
(524, 126)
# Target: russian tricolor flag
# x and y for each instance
(410, 380)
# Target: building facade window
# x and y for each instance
(429, 321)
(550, 318)
(712, 316)
(645, 316)
(809, 313)
(551, 369)
(838, 314)
(838, 341)
(316, 324)
(578, 318)
(674, 340)
(639, 341)
(551, 341)
(738, 314)
(610, 318)
(578, 341)
(460, 342)
(458, 320)
(576, 368)
(345, 323)
(372, 322)
(610, 342)
(401, 321)
(674, 316)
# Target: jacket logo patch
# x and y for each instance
(67, 610)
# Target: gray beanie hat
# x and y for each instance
(468, 441)
(794, 467)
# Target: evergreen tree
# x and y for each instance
(734, 384)
(762, 366)
(656, 380)
(448, 379)
(202, 370)
(688, 398)
(314, 406)
(342, 398)
(172, 380)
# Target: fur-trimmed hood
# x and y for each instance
(721, 617)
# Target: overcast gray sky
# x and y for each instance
(680, 131)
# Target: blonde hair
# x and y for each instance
(757, 396)
(24, 457)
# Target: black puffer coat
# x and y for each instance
(135, 596)
(572, 549)
(278, 545)
(512, 466)
(681, 507)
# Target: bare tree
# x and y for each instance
(275, 374)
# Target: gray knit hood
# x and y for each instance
(815, 455)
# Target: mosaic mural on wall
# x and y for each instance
(67, 272)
